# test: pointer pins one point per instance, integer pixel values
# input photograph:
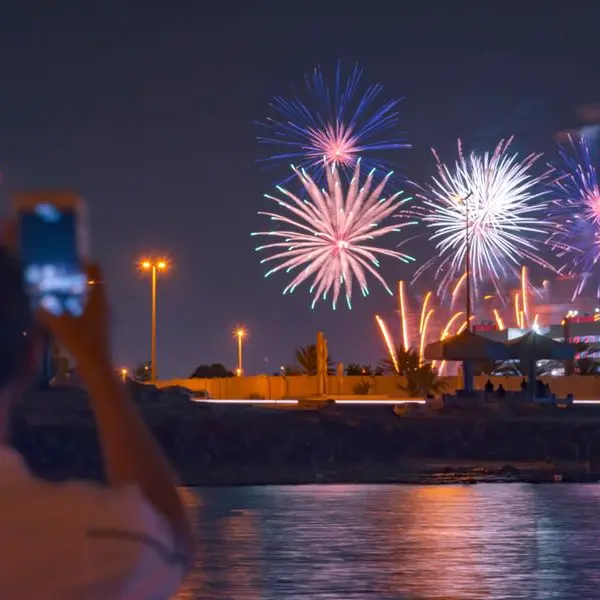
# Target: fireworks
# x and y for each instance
(403, 320)
(496, 198)
(576, 238)
(333, 125)
(387, 340)
(329, 234)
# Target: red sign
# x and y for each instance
(485, 328)
(584, 319)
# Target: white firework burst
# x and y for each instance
(329, 234)
(499, 197)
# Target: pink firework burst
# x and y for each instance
(591, 203)
(334, 144)
(329, 236)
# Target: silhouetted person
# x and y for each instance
(501, 391)
(523, 385)
(129, 538)
(540, 388)
(547, 391)
(489, 387)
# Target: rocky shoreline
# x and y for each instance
(383, 474)
(221, 446)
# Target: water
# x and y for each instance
(503, 541)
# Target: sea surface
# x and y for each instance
(346, 542)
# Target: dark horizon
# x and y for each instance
(150, 116)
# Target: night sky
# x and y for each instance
(149, 115)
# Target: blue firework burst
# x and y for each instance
(332, 124)
(576, 212)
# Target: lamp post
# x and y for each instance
(467, 259)
(124, 373)
(154, 266)
(240, 334)
(467, 375)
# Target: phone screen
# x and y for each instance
(54, 275)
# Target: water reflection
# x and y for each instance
(396, 542)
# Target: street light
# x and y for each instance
(467, 375)
(154, 266)
(124, 372)
(463, 200)
(240, 334)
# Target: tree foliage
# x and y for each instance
(211, 371)
(423, 381)
(143, 371)
(421, 378)
(408, 360)
(366, 370)
(306, 358)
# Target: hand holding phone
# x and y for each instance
(52, 244)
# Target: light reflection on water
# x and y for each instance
(352, 542)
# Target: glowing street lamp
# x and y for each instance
(240, 334)
(154, 266)
(467, 374)
(124, 372)
(464, 200)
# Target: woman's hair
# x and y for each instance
(16, 319)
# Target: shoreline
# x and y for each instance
(233, 446)
(418, 473)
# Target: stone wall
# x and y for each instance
(301, 386)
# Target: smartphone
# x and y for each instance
(53, 250)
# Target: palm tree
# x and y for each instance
(211, 371)
(306, 357)
(143, 371)
(422, 381)
(408, 360)
(356, 369)
(290, 370)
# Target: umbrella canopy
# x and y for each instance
(533, 346)
(466, 346)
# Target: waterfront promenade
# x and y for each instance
(231, 444)
(277, 387)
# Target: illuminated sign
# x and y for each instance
(585, 319)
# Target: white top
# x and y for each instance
(80, 541)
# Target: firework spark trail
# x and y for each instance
(576, 213)
(338, 123)
(424, 335)
(446, 332)
(387, 339)
(403, 319)
(423, 310)
(524, 293)
(499, 321)
(330, 235)
(462, 327)
(456, 288)
(504, 210)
